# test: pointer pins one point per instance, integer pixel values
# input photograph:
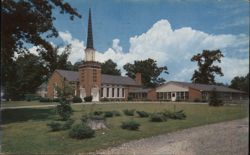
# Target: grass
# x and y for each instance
(24, 103)
(25, 131)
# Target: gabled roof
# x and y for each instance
(119, 80)
(106, 79)
(69, 75)
(205, 87)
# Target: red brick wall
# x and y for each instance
(194, 94)
(87, 76)
(152, 95)
(55, 78)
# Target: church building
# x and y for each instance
(89, 81)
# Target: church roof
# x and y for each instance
(205, 87)
(119, 80)
(105, 79)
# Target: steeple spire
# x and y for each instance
(90, 34)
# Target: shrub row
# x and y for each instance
(107, 113)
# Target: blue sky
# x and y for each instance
(170, 31)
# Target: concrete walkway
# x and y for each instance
(227, 138)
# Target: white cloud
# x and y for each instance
(77, 52)
(173, 48)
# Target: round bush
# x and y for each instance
(76, 99)
(130, 125)
(88, 99)
(81, 131)
(142, 113)
(157, 117)
(108, 114)
(129, 112)
(54, 126)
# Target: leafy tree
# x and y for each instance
(26, 23)
(27, 74)
(240, 83)
(149, 70)
(206, 71)
(54, 61)
(109, 67)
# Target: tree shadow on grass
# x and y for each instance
(22, 115)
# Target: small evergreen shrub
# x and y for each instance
(44, 99)
(129, 112)
(76, 99)
(55, 126)
(96, 117)
(174, 115)
(81, 131)
(108, 114)
(98, 112)
(68, 124)
(88, 99)
(158, 117)
(84, 118)
(116, 113)
(142, 113)
(214, 100)
(64, 109)
(130, 125)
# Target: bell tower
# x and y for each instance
(90, 70)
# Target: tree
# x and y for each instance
(26, 23)
(109, 67)
(53, 60)
(149, 70)
(240, 83)
(206, 71)
(214, 99)
(28, 73)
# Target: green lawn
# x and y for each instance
(24, 103)
(25, 131)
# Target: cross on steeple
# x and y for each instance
(90, 34)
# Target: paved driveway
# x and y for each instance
(227, 138)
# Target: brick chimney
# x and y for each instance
(138, 78)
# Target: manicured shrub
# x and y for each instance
(64, 109)
(142, 113)
(98, 112)
(158, 117)
(55, 126)
(44, 99)
(68, 124)
(88, 99)
(81, 131)
(174, 115)
(108, 114)
(116, 113)
(129, 112)
(130, 125)
(96, 117)
(84, 118)
(76, 99)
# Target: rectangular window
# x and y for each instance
(123, 92)
(118, 92)
(101, 92)
(113, 92)
(94, 75)
(107, 92)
